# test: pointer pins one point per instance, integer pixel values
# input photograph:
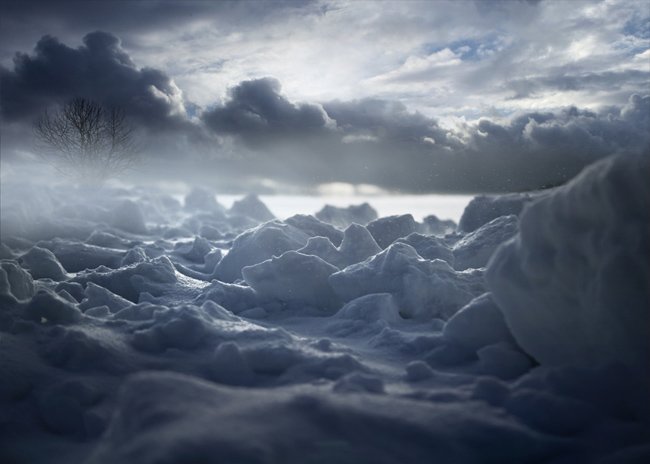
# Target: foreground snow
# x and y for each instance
(136, 329)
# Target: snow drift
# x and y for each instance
(574, 284)
(135, 328)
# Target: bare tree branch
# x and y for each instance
(87, 140)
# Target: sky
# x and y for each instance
(406, 96)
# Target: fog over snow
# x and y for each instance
(394, 232)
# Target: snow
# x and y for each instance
(294, 278)
(41, 263)
(138, 329)
(259, 244)
(48, 307)
(357, 245)
(128, 217)
(423, 288)
(429, 247)
(252, 207)
(388, 229)
(478, 324)
(202, 200)
(15, 282)
(484, 208)
(475, 249)
(573, 284)
(343, 217)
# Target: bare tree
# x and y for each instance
(87, 140)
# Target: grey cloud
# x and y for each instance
(270, 136)
(382, 142)
(385, 120)
(535, 150)
(24, 20)
(100, 70)
(609, 81)
(257, 112)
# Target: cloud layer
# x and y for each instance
(519, 95)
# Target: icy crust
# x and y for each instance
(574, 283)
(184, 332)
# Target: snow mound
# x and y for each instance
(573, 285)
(294, 278)
(200, 199)
(315, 228)
(99, 296)
(128, 217)
(15, 283)
(234, 297)
(484, 208)
(42, 263)
(259, 244)
(428, 247)
(77, 256)
(46, 306)
(480, 323)
(252, 207)
(356, 246)
(371, 308)
(388, 229)
(475, 249)
(432, 225)
(422, 288)
(195, 250)
(343, 217)
(154, 276)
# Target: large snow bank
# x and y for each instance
(484, 208)
(574, 284)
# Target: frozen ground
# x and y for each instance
(136, 328)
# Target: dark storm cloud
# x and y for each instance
(99, 70)
(269, 136)
(542, 149)
(23, 21)
(381, 142)
(257, 112)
